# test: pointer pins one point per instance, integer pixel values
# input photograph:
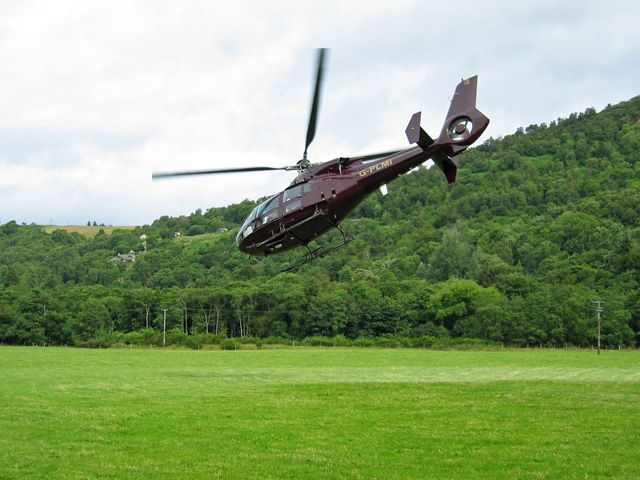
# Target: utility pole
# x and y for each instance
(164, 327)
(599, 310)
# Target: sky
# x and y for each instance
(95, 96)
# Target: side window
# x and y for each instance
(272, 215)
(293, 192)
(271, 204)
(292, 205)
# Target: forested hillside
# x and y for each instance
(539, 224)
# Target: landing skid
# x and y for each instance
(319, 252)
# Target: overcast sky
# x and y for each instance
(94, 96)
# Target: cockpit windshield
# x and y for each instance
(247, 226)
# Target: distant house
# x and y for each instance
(177, 234)
(125, 257)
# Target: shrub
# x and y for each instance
(176, 336)
(229, 344)
(363, 342)
(197, 341)
(425, 341)
(271, 340)
(318, 341)
(342, 341)
(217, 339)
(146, 336)
(386, 342)
(102, 339)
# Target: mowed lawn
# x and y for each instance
(318, 414)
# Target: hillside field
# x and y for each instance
(318, 413)
(88, 231)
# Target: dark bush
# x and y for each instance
(426, 341)
(363, 342)
(230, 344)
(318, 341)
(271, 340)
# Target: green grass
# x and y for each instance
(205, 237)
(318, 413)
(85, 230)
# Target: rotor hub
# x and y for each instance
(303, 164)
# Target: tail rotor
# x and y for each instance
(464, 123)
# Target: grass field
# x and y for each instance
(204, 237)
(318, 413)
(88, 231)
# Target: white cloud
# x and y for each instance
(94, 96)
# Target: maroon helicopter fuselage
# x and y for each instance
(323, 195)
(318, 200)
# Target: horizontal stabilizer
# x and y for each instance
(416, 134)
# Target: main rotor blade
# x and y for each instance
(373, 156)
(313, 116)
(210, 172)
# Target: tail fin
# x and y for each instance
(464, 123)
(463, 126)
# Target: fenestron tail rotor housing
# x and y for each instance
(460, 128)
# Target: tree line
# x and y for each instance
(539, 224)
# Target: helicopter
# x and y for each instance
(322, 195)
